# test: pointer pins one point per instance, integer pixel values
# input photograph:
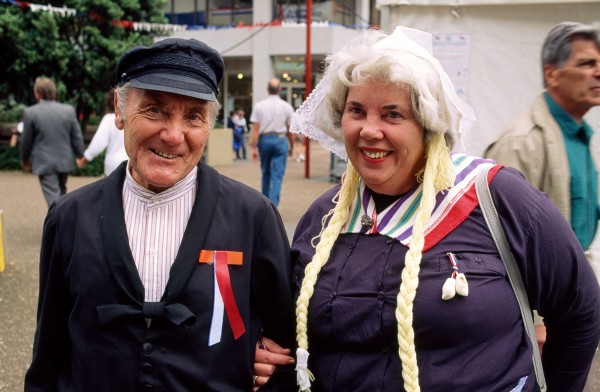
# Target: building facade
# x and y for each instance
(267, 38)
(497, 67)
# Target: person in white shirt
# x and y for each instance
(107, 137)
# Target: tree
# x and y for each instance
(79, 52)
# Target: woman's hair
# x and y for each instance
(123, 94)
(362, 60)
(356, 63)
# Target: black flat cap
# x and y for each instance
(180, 66)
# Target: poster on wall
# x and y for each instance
(452, 50)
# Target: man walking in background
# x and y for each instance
(270, 120)
(51, 135)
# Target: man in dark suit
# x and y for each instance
(51, 136)
(164, 275)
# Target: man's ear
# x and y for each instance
(119, 119)
(550, 73)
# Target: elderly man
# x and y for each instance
(550, 142)
(164, 275)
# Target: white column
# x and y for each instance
(364, 12)
(385, 18)
(262, 11)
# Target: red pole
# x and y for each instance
(308, 82)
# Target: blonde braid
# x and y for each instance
(438, 175)
(328, 238)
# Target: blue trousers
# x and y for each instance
(273, 150)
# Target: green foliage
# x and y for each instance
(9, 160)
(93, 169)
(78, 52)
(11, 114)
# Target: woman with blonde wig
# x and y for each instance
(399, 283)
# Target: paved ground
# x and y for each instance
(24, 210)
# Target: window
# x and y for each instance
(229, 12)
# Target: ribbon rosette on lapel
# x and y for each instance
(223, 297)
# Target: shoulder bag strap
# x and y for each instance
(514, 275)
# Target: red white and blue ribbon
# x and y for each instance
(224, 300)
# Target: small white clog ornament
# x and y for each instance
(449, 289)
(462, 287)
(457, 283)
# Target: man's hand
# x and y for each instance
(81, 162)
(254, 154)
(26, 166)
(268, 356)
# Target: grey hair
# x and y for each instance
(557, 47)
(123, 94)
(361, 63)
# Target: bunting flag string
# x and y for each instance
(70, 12)
(62, 11)
(144, 26)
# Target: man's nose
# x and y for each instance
(173, 133)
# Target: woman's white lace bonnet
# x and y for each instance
(313, 118)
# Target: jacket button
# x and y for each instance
(147, 387)
(147, 348)
(147, 368)
(380, 295)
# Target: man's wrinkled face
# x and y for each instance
(165, 135)
(576, 85)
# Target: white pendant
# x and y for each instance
(449, 289)
(462, 287)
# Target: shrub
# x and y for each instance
(12, 114)
(93, 169)
(10, 160)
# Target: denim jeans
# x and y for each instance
(273, 151)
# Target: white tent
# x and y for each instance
(501, 71)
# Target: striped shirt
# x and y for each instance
(155, 225)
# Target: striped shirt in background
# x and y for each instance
(155, 225)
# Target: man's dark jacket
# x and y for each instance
(92, 332)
